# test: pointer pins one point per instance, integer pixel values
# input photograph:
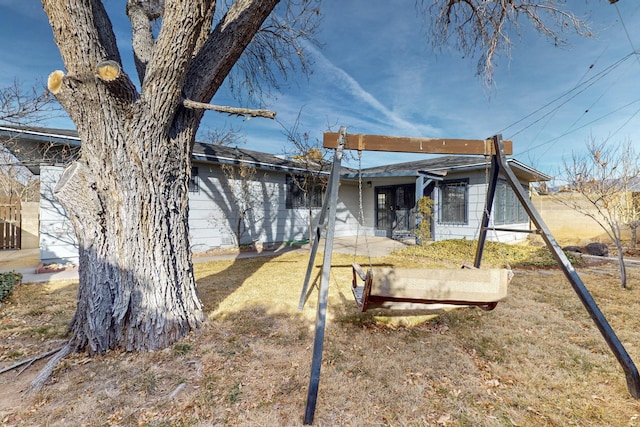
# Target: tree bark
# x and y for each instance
(137, 289)
(623, 268)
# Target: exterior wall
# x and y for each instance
(348, 217)
(266, 218)
(214, 212)
(477, 193)
(29, 224)
(57, 238)
(566, 224)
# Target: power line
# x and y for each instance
(587, 83)
(581, 127)
(626, 32)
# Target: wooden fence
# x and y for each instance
(9, 223)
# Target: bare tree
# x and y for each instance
(25, 107)
(486, 28)
(315, 162)
(16, 182)
(603, 176)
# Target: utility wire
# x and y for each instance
(633, 48)
(588, 83)
(581, 127)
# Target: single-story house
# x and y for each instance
(267, 206)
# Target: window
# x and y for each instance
(303, 192)
(194, 183)
(454, 201)
(507, 209)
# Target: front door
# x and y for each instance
(393, 208)
(384, 210)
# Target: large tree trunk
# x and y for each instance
(137, 289)
(127, 196)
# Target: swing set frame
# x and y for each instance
(496, 149)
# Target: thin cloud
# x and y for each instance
(342, 79)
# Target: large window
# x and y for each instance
(454, 202)
(507, 209)
(302, 191)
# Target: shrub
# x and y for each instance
(7, 283)
(425, 213)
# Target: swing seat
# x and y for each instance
(429, 289)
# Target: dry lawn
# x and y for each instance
(537, 360)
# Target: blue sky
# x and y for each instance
(377, 73)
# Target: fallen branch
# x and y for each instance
(45, 373)
(30, 361)
(230, 110)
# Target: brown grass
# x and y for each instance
(537, 360)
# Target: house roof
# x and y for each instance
(235, 155)
(60, 143)
(439, 167)
(34, 146)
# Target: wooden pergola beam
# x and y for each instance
(404, 144)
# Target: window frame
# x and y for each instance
(507, 209)
(446, 211)
(296, 197)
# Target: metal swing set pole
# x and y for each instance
(499, 165)
(498, 152)
(327, 221)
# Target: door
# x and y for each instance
(384, 211)
(394, 206)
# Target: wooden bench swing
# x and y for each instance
(410, 289)
(405, 289)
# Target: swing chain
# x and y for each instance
(361, 214)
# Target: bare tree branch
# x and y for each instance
(230, 110)
(482, 27)
(18, 106)
(142, 14)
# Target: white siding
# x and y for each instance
(214, 213)
(57, 238)
(477, 193)
(216, 209)
(348, 212)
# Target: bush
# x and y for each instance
(425, 213)
(7, 283)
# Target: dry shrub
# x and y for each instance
(536, 360)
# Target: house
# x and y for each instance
(243, 197)
(458, 187)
